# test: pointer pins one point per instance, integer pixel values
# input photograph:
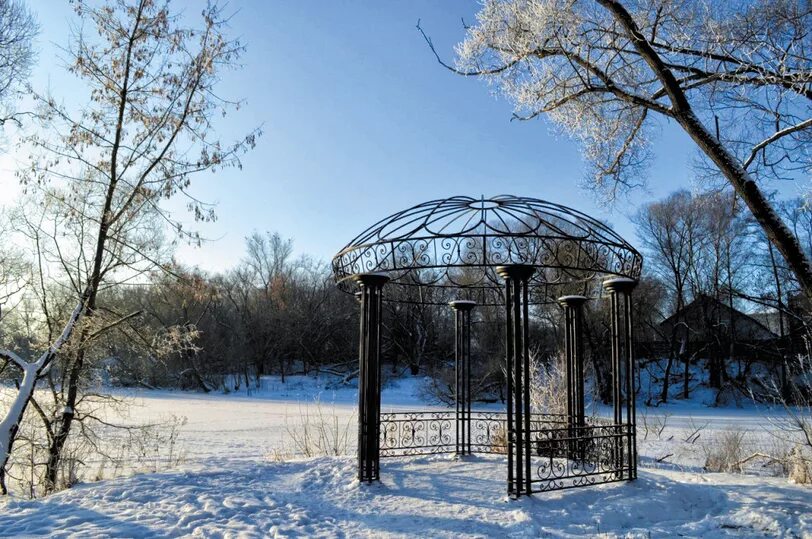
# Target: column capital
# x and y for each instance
(521, 272)
(619, 284)
(462, 304)
(571, 301)
(371, 280)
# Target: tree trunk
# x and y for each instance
(784, 389)
(686, 375)
(715, 371)
(745, 186)
(732, 343)
(11, 423)
(675, 342)
(666, 379)
(68, 412)
(201, 383)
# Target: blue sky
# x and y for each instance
(360, 121)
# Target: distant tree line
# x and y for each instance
(276, 314)
(707, 246)
(271, 314)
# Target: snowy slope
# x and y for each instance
(423, 496)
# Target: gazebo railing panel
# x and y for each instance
(417, 433)
(428, 433)
(562, 456)
(577, 456)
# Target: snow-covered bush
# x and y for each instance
(548, 384)
(726, 453)
(104, 449)
(499, 441)
(800, 466)
(792, 426)
(317, 432)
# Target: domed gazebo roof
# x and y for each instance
(450, 248)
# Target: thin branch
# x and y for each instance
(775, 136)
(113, 324)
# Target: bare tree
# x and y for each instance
(13, 273)
(259, 292)
(718, 273)
(105, 167)
(17, 31)
(670, 231)
(604, 69)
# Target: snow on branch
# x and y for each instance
(14, 358)
(49, 354)
(775, 136)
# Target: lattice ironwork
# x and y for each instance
(456, 244)
(562, 456)
(417, 433)
(428, 433)
(580, 456)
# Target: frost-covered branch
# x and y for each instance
(777, 135)
(595, 68)
(14, 358)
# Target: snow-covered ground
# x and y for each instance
(233, 483)
(242, 426)
(417, 497)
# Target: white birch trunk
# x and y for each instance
(31, 372)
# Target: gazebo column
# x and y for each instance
(369, 375)
(574, 354)
(462, 363)
(623, 369)
(518, 367)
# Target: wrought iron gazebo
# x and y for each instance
(513, 252)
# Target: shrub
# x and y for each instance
(726, 454)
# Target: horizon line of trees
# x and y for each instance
(276, 314)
